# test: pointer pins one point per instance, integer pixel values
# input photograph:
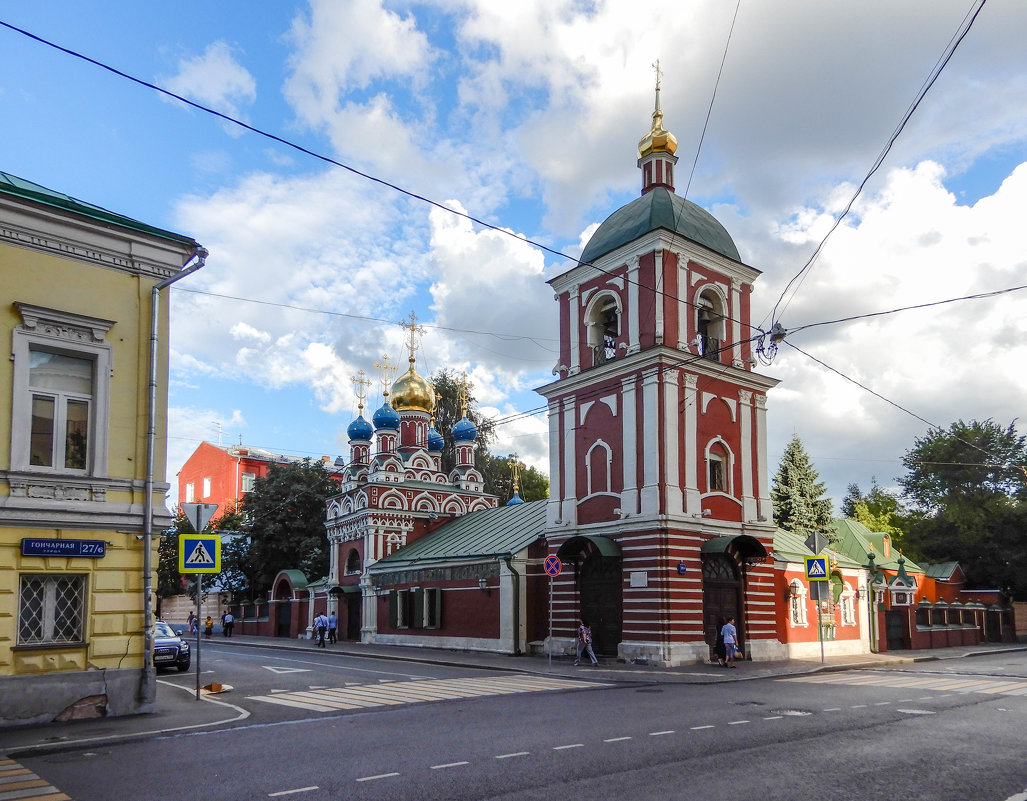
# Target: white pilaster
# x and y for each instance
(735, 313)
(570, 475)
(749, 510)
(691, 417)
(629, 451)
(658, 283)
(683, 313)
(762, 475)
(555, 455)
(650, 443)
(573, 303)
(671, 463)
(633, 311)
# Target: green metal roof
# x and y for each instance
(485, 533)
(19, 187)
(856, 539)
(940, 570)
(659, 208)
(790, 547)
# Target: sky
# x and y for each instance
(527, 115)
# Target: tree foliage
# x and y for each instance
(286, 514)
(799, 497)
(968, 487)
(498, 473)
(878, 510)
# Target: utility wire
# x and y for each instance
(940, 65)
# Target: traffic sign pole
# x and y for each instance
(199, 593)
(552, 566)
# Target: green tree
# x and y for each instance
(878, 510)
(498, 474)
(286, 513)
(968, 488)
(798, 494)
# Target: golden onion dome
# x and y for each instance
(657, 140)
(411, 391)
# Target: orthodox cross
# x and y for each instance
(360, 385)
(462, 387)
(659, 73)
(387, 371)
(513, 463)
(413, 331)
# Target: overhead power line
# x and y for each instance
(940, 65)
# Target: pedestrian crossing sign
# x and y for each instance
(816, 568)
(199, 554)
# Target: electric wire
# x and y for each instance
(940, 65)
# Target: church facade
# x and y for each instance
(659, 498)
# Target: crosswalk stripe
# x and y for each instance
(18, 782)
(960, 684)
(414, 692)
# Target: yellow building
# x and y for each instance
(86, 429)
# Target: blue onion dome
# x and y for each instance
(360, 429)
(464, 431)
(385, 417)
(516, 499)
(435, 441)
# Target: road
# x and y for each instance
(374, 729)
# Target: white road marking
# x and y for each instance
(278, 670)
(915, 711)
(736, 722)
(515, 754)
(882, 703)
(858, 706)
(564, 747)
(833, 709)
(297, 790)
(696, 728)
(775, 717)
(1018, 797)
(659, 733)
(448, 765)
(379, 776)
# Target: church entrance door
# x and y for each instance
(353, 617)
(722, 598)
(600, 601)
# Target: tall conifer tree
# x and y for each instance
(800, 505)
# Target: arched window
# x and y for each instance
(352, 562)
(710, 317)
(603, 328)
(848, 606)
(719, 466)
(597, 467)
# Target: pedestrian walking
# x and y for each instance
(208, 627)
(192, 623)
(730, 635)
(585, 644)
(229, 623)
(320, 627)
(333, 625)
(719, 651)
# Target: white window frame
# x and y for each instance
(797, 604)
(248, 480)
(206, 487)
(69, 334)
(190, 492)
(848, 606)
(48, 635)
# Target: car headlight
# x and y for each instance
(185, 647)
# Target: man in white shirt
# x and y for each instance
(320, 627)
(730, 641)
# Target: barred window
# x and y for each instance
(51, 609)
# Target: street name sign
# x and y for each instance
(199, 553)
(92, 549)
(816, 568)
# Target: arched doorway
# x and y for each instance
(723, 569)
(597, 566)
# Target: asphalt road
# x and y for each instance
(953, 731)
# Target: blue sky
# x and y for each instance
(527, 115)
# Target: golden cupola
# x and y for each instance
(656, 149)
(411, 391)
(658, 140)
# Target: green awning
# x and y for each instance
(576, 545)
(747, 546)
(349, 589)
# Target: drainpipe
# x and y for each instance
(516, 604)
(148, 692)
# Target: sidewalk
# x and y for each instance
(179, 711)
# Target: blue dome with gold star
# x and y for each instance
(464, 431)
(360, 429)
(385, 417)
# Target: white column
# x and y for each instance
(650, 443)
(555, 472)
(573, 314)
(629, 450)
(684, 316)
(368, 610)
(735, 313)
(762, 475)
(671, 461)
(693, 505)
(570, 476)
(658, 298)
(745, 424)
(633, 311)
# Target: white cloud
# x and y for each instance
(217, 80)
